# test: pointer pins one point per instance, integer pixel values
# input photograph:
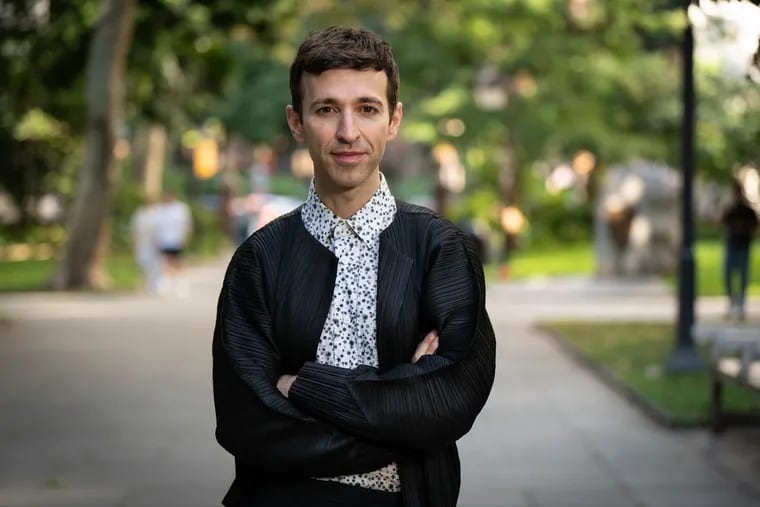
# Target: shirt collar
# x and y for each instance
(367, 223)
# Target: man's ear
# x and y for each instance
(294, 123)
(398, 113)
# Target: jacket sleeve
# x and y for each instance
(430, 403)
(255, 423)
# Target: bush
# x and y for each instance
(558, 220)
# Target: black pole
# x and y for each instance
(684, 356)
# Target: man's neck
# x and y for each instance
(347, 202)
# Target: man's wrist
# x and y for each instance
(284, 383)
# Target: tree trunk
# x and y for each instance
(149, 154)
(81, 264)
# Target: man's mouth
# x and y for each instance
(347, 157)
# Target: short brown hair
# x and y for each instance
(340, 47)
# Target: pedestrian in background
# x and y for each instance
(352, 347)
(143, 229)
(173, 227)
(740, 223)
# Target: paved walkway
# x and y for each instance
(106, 401)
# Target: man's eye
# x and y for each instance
(324, 110)
(368, 109)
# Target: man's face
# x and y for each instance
(345, 125)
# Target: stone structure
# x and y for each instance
(637, 220)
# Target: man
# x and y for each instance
(352, 346)
(740, 223)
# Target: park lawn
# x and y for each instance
(560, 261)
(708, 256)
(634, 354)
(32, 275)
(564, 260)
(570, 260)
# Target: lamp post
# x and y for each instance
(684, 357)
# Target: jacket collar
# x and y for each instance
(394, 270)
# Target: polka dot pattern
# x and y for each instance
(349, 336)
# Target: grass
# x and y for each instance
(709, 275)
(560, 261)
(565, 260)
(579, 260)
(32, 275)
(634, 354)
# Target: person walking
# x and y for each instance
(740, 223)
(173, 227)
(144, 243)
(352, 347)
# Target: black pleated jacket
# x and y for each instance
(273, 305)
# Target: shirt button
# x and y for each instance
(342, 230)
(346, 319)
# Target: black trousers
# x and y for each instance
(314, 493)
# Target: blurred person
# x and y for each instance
(143, 231)
(740, 222)
(173, 227)
(352, 347)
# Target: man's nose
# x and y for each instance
(347, 129)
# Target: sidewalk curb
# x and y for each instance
(654, 412)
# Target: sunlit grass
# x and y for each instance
(33, 275)
(562, 260)
(580, 260)
(566, 260)
(635, 354)
(708, 256)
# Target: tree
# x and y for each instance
(179, 67)
(38, 128)
(82, 260)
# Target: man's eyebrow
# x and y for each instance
(370, 100)
(331, 101)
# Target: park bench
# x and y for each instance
(734, 358)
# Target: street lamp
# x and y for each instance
(735, 53)
(684, 356)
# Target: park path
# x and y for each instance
(105, 400)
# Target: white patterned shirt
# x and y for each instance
(349, 335)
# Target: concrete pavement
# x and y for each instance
(106, 401)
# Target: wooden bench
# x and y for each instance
(735, 358)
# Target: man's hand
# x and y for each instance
(284, 383)
(427, 346)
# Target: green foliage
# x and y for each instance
(208, 237)
(255, 104)
(127, 199)
(179, 64)
(285, 184)
(179, 60)
(557, 220)
(481, 204)
(729, 125)
(605, 79)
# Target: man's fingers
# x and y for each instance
(427, 346)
